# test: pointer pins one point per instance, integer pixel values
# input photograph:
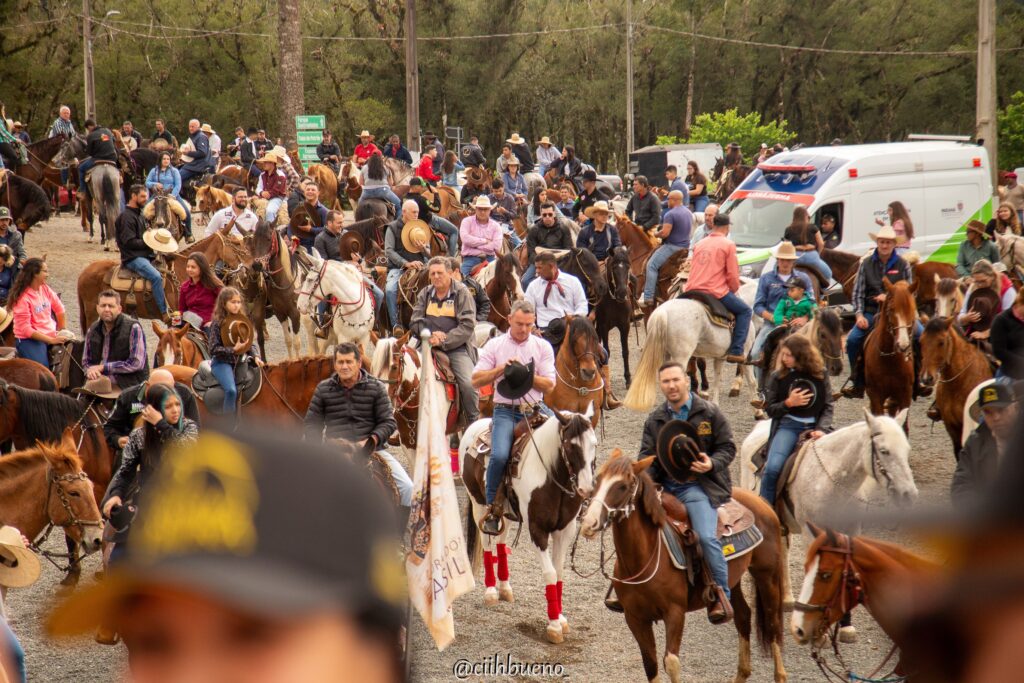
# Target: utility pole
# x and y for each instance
(629, 79)
(986, 103)
(412, 79)
(90, 84)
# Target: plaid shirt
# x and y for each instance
(5, 135)
(135, 361)
(62, 127)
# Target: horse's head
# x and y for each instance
(828, 337)
(889, 457)
(168, 346)
(618, 273)
(583, 345)
(948, 297)
(1011, 249)
(68, 153)
(71, 503)
(899, 313)
(578, 449)
(830, 586)
(622, 487)
(719, 168)
(936, 348)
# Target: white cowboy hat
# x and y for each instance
(515, 139)
(886, 233)
(160, 240)
(365, 134)
(598, 207)
(6, 318)
(416, 236)
(482, 202)
(281, 153)
(19, 567)
(545, 140)
(785, 250)
(207, 128)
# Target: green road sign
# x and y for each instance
(309, 137)
(311, 122)
(308, 154)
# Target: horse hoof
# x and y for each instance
(490, 596)
(565, 624)
(554, 633)
(733, 393)
(848, 634)
(505, 594)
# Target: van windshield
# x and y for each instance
(758, 223)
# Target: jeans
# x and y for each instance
(64, 173)
(506, 417)
(704, 521)
(225, 374)
(382, 193)
(147, 270)
(273, 206)
(187, 175)
(391, 294)
(743, 314)
(83, 168)
(402, 481)
(529, 276)
(813, 258)
(781, 448)
(448, 228)
(471, 262)
(507, 229)
(758, 348)
(855, 343)
(33, 349)
(15, 653)
(378, 296)
(700, 203)
(462, 366)
(654, 264)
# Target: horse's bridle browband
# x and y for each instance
(850, 592)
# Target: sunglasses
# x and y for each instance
(547, 215)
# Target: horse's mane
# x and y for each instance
(830, 321)
(947, 287)
(575, 427)
(23, 461)
(304, 361)
(381, 360)
(935, 326)
(898, 553)
(43, 415)
(579, 326)
(650, 499)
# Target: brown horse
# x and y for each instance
(327, 181)
(728, 180)
(580, 381)
(954, 366)
(209, 199)
(501, 290)
(270, 285)
(845, 571)
(889, 351)
(40, 154)
(27, 374)
(26, 200)
(651, 589)
(44, 487)
(844, 267)
(27, 415)
(641, 244)
(615, 309)
(927, 275)
(175, 347)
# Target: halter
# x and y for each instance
(55, 482)
(317, 293)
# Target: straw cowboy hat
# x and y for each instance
(978, 227)
(598, 207)
(236, 328)
(482, 202)
(365, 134)
(886, 233)
(678, 448)
(281, 153)
(19, 567)
(416, 236)
(6, 256)
(475, 175)
(100, 387)
(269, 158)
(207, 128)
(6, 318)
(515, 139)
(785, 250)
(514, 161)
(160, 240)
(545, 140)
(149, 210)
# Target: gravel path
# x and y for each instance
(599, 647)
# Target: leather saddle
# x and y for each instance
(199, 339)
(736, 532)
(97, 164)
(817, 277)
(248, 379)
(481, 450)
(783, 504)
(719, 314)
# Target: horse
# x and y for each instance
(50, 473)
(165, 212)
(641, 244)
(650, 588)
(680, 329)
(327, 181)
(582, 264)
(28, 415)
(928, 274)
(889, 351)
(850, 464)
(341, 285)
(351, 182)
(579, 381)
(844, 267)
(954, 366)
(136, 165)
(27, 374)
(503, 288)
(615, 308)
(175, 347)
(949, 298)
(399, 174)
(374, 207)
(40, 153)
(1011, 252)
(728, 179)
(555, 475)
(269, 283)
(27, 201)
(844, 571)
(104, 188)
(825, 332)
(210, 199)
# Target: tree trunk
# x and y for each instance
(688, 119)
(292, 102)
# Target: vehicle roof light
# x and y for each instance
(785, 168)
(853, 173)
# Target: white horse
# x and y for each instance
(678, 330)
(340, 283)
(1011, 250)
(852, 465)
(555, 475)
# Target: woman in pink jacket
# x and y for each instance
(35, 306)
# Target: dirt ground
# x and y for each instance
(599, 646)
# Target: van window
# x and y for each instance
(835, 211)
(758, 223)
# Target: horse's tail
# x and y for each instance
(641, 392)
(474, 549)
(111, 203)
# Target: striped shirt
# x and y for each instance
(62, 127)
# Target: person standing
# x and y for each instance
(984, 453)
(195, 152)
(115, 345)
(555, 293)
(643, 207)
(481, 236)
(676, 225)
(38, 313)
(548, 232)
(1015, 196)
(136, 245)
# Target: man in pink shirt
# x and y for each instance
(481, 236)
(714, 269)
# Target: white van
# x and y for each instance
(944, 185)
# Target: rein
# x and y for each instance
(55, 482)
(892, 330)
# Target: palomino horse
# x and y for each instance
(652, 589)
(50, 474)
(104, 188)
(842, 572)
(555, 474)
(889, 351)
(174, 347)
(269, 283)
(854, 463)
(579, 382)
(615, 309)
(954, 366)
(678, 330)
(341, 285)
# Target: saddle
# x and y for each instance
(717, 312)
(783, 503)
(817, 277)
(62, 360)
(481, 450)
(248, 380)
(97, 163)
(199, 339)
(736, 532)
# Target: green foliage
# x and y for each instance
(748, 130)
(1011, 132)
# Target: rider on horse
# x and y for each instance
(548, 232)
(99, 146)
(405, 250)
(643, 208)
(481, 236)
(115, 345)
(772, 287)
(139, 246)
(676, 226)
(429, 214)
(590, 195)
(365, 149)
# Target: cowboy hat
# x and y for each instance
(515, 139)
(785, 250)
(677, 448)
(416, 236)
(160, 240)
(365, 134)
(886, 233)
(268, 158)
(6, 318)
(475, 175)
(482, 202)
(514, 161)
(516, 381)
(101, 387)
(236, 328)
(545, 140)
(350, 243)
(978, 227)
(985, 302)
(281, 153)
(598, 207)
(6, 256)
(18, 124)
(207, 128)
(19, 567)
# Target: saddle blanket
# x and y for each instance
(733, 546)
(123, 280)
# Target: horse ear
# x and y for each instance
(158, 328)
(913, 285)
(814, 529)
(901, 417)
(937, 278)
(562, 418)
(870, 419)
(67, 440)
(886, 284)
(949, 321)
(642, 464)
(182, 331)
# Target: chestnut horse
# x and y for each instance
(889, 351)
(651, 589)
(580, 382)
(842, 572)
(954, 366)
(175, 347)
(502, 290)
(28, 374)
(327, 181)
(269, 285)
(844, 267)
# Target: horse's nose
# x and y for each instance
(588, 374)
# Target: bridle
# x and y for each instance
(613, 280)
(879, 453)
(577, 376)
(892, 326)
(317, 293)
(948, 361)
(56, 483)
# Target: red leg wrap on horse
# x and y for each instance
(551, 593)
(489, 569)
(559, 584)
(502, 562)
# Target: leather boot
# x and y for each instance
(610, 402)
(854, 387)
(720, 612)
(611, 600)
(493, 524)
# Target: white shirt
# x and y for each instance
(574, 301)
(247, 221)
(215, 145)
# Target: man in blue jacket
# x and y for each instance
(396, 150)
(199, 154)
(771, 289)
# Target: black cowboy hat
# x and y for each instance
(677, 449)
(804, 382)
(517, 380)
(554, 333)
(986, 303)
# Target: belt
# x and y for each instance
(517, 407)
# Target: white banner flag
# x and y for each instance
(437, 565)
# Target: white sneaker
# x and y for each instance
(641, 301)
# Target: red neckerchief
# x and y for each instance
(553, 283)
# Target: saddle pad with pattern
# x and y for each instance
(121, 279)
(733, 546)
(736, 530)
(717, 312)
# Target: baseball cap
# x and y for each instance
(417, 181)
(5, 212)
(259, 522)
(996, 395)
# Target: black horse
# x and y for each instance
(615, 309)
(27, 201)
